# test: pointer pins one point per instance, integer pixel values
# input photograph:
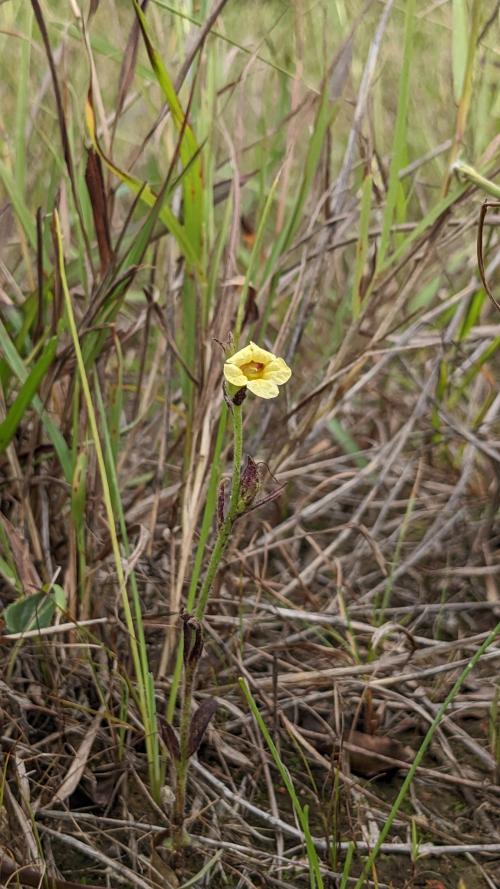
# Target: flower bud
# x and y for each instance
(221, 502)
(249, 483)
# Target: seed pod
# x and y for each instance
(249, 482)
(193, 640)
(221, 502)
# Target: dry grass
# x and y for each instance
(352, 603)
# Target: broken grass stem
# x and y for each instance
(232, 514)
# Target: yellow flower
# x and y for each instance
(258, 370)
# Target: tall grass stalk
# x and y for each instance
(137, 649)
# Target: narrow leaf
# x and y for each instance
(459, 46)
(95, 185)
(199, 724)
(399, 141)
(188, 148)
(16, 363)
(142, 189)
(170, 739)
(26, 393)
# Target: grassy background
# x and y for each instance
(309, 176)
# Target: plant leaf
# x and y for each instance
(144, 191)
(199, 724)
(97, 192)
(188, 148)
(26, 393)
(17, 365)
(171, 742)
(33, 612)
(459, 33)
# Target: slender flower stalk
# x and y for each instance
(260, 372)
(232, 514)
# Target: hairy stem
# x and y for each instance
(232, 514)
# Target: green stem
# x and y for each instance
(206, 526)
(238, 453)
(138, 650)
(473, 176)
(370, 861)
(232, 514)
(179, 837)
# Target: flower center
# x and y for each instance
(252, 370)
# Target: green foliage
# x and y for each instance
(26, 394)
(35, 611)
(210, 220)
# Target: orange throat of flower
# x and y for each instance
(252, 370)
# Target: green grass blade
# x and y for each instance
(26, 394)
(21, 112)
(459, 36)
(17, 365)
(346, 870)
(137, 647)
(417, 760)
(189, 149)
(301, 812)
(464, 104)
(20, 208)
(400, 137)
(146, 194)
(323, 120)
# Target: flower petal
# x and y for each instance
(263, 388)
(277, 371)
(241, 357)
(234, 375)
(261, 355)
(251, 353)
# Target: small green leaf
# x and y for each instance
(59, 596)
(34, 612)
(7, 572)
